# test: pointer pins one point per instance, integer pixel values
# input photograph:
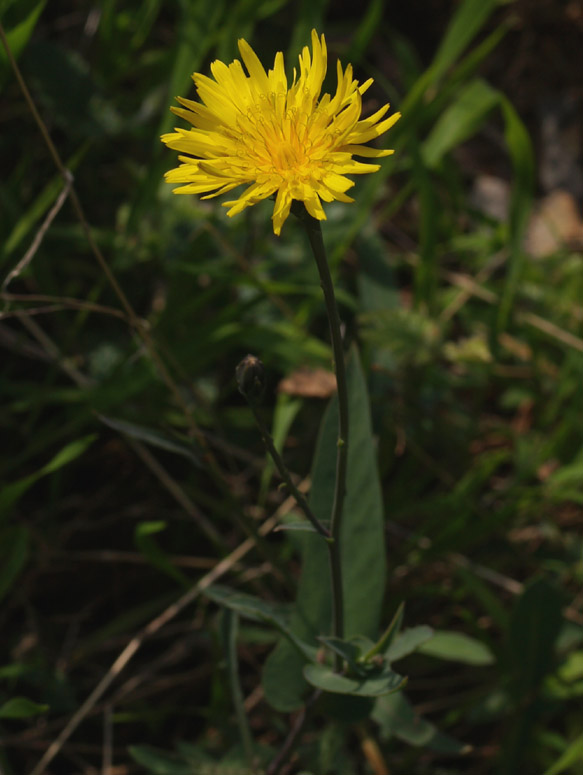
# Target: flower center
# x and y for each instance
(274, 141)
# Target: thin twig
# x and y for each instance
(107, 761)
(66, 364)
(286, 476)
(39, 236)
(110, 556)
(493, 263)
(56, 304)
(551, 329)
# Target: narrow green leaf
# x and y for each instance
(363, 549)
(152, 437)
(396, 717)
(377, 285)
(13, 555)
(154, 554)
(197, 31)
(573, 755)
(522, 157)
(258, 610)
(389, 635)
(160, 762)
(143, 18)
(534, 628)
(282, 679)
(69, 453)
(15, 670)
(485, 595)
(12, 492)
(369, 23)
(469, 18)
(426, 270)
(457, 647)
(21, 707)
(460, 120)
(363, 553)
(350, 651)
(467, 21)
(409, 641)
(229, 630)
(303, 527)
(40, 205)
(18, 35)
(323, 677)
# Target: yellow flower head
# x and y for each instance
(285, 140)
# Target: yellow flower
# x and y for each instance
(285, 140)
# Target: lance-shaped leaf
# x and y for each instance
(374, 685)
(257, 610)
(362, 546)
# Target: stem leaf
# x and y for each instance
(323, 677)
(362, 546)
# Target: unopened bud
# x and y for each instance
(250, 375)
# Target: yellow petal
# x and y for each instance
(283, 203)
(314, 206)
(363, 136)
(254, 67)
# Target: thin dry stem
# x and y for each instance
(39, 236)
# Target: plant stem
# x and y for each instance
(314, 233)
(285, 475)
(232, 627)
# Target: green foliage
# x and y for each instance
(458, 647)
(21, 708)
(152, 437)
(19, 20)
(375, 685)
(572, 756)
(11, 493)
(260, 611)
(363, 565)
(534, 628)
(396, 718)
(14, 549)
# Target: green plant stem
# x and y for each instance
(232, 627)
(314, 233)
(285, 475)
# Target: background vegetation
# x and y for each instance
(131, 466)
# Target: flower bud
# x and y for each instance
(250, 375)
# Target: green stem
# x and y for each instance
(314, 233)
(232, 627)
(285, 475)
